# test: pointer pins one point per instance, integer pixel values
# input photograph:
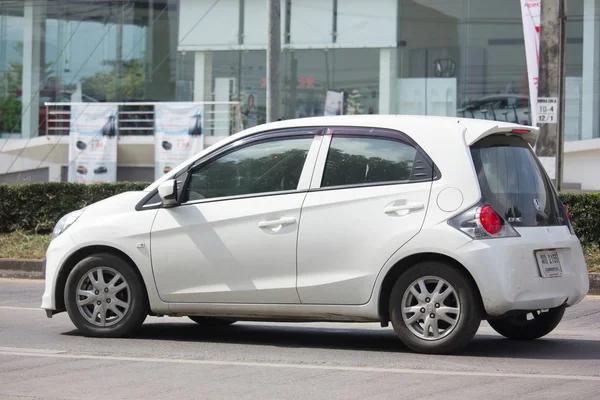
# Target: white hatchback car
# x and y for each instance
(431, 223)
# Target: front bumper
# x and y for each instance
(508, 276)
(59, 250)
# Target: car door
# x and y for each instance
(233, 238)
(369, 196)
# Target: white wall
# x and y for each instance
(582, 163)
(52, 152)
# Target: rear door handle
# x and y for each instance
(403, 209)
(276, 224)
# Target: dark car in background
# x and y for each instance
(499, 107)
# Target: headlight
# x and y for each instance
(66, 222)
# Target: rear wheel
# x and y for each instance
(104, 297)
(530, 325)
(210, 321)
(434, 308)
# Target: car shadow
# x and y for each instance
(356, 339)
(547, 348)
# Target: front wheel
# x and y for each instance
(530, 325)
(105, 297)
(434, 308)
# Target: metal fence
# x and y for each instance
(221, 118)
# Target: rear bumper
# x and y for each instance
(508, 276)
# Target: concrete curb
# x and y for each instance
(34, 269)
(594, 283)
(15, 268)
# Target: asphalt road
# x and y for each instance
(44, 358)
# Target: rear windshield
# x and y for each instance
(513, 183)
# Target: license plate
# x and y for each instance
(549, 263)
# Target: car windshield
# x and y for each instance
(513, 183)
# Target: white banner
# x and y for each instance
(531, 13)
(93, 143)
(179, 134)
(334, 103)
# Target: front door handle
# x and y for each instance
(403, 209)
(276, 224)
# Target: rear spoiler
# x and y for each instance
(529, 133)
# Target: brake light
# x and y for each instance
(567, 212)
(568, 215)
(482, 222)
(521, 131)
(490, 220)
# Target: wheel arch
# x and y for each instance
(404, 264)
(81, 254)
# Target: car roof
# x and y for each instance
(391, 121)
(418, 127)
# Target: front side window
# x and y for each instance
(271, 166)
(357, 160)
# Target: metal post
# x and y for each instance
(119, 45)
(551, 81)
(34, 17)
(273, 59)
(560, 146)
(293, 85)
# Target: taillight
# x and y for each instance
(567, 212)
(482, 222)
(490, 221)
(568, 215)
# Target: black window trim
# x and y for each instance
(262, 137)
(378, 133)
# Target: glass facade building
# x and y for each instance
(429, 57)
(450, 57)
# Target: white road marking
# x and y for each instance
(51, 354)
(20, 308)
(30, 351)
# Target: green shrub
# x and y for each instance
(36, 207)
(10, 114)
(585, 215)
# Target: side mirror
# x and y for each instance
(168, 193)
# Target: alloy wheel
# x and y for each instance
(430, 308)
(103, 296)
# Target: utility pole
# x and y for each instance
(551, 85)
(273, 58)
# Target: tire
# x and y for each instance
(123, 302)
(210, 321)
(456, 324)
(519, 327)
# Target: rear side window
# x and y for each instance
(513, 183)
(359, 160)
